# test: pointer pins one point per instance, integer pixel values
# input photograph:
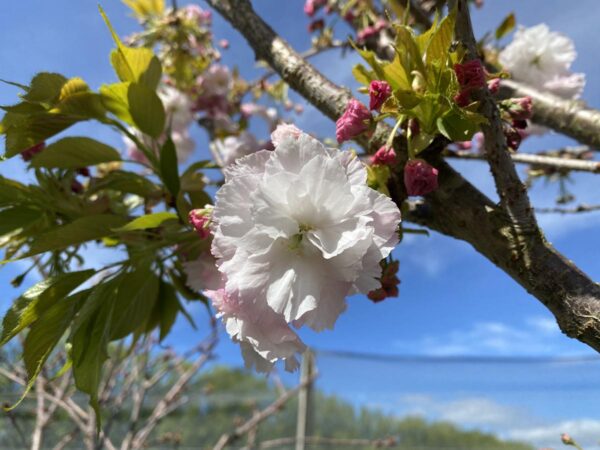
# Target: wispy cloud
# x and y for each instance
(507, 421)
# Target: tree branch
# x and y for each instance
(569, 117)
(550, 162)
(457, 208)
(257, 418)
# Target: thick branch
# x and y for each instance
(457, 208)
(567, 116)
(512, 193)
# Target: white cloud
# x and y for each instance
(506, 421)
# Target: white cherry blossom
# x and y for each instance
(542, 59)
(297, 230)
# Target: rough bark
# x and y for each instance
(457, 208)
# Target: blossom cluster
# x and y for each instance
(296, 231)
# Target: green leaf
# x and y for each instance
(13, 193)
(134, 303)
(145, 8)
(199, 165)
(90, 337)
(44, 335)
(362, 75)
(81, 230)
(396, 75)
(456, 126)
(134, 64)
(371, 59)
(168, 167)
(17, 217)
(439, 45)
(114, 99)
(75, 152)
(35, 129)
(45, 88)
(148, 221)
(146, 109)
(507, 25)
(83, 105)
(37, 300)
(127, 182)
(165, 310)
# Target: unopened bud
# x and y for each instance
(201, 220)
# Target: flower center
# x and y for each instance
(296, 240)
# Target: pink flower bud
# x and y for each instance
(200, 220)
(316, 25)
(567, 439)
(379, 92)
(419, 177)
(494, 85)
(224, 44)
(353, 122)
(519, 108)
(311, 6)
(513, 137)
(384, 156)
(366, 33)
(463, 98)
(76, 187)
(84, 172)
(32, 151)
(470, 75)
(465, 145)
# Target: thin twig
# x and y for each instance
(264, 414)
(538, 160)
(573, 210)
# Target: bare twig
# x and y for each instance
(543, 161)
(573, 210)
(246, 427)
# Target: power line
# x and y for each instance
(457, 359)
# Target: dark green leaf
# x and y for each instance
(134, 303)
(148, 221)
(146, 109)
(35, 129)
(456, 126)
(507, 25)
(45, 88)
(90, 337)
(168, 167)
(114, 99)
(81, 230)
(45, 334)
(37, 300)
(127, 182)
(17, 217)
(75, 152)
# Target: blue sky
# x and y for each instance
(452, 300)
